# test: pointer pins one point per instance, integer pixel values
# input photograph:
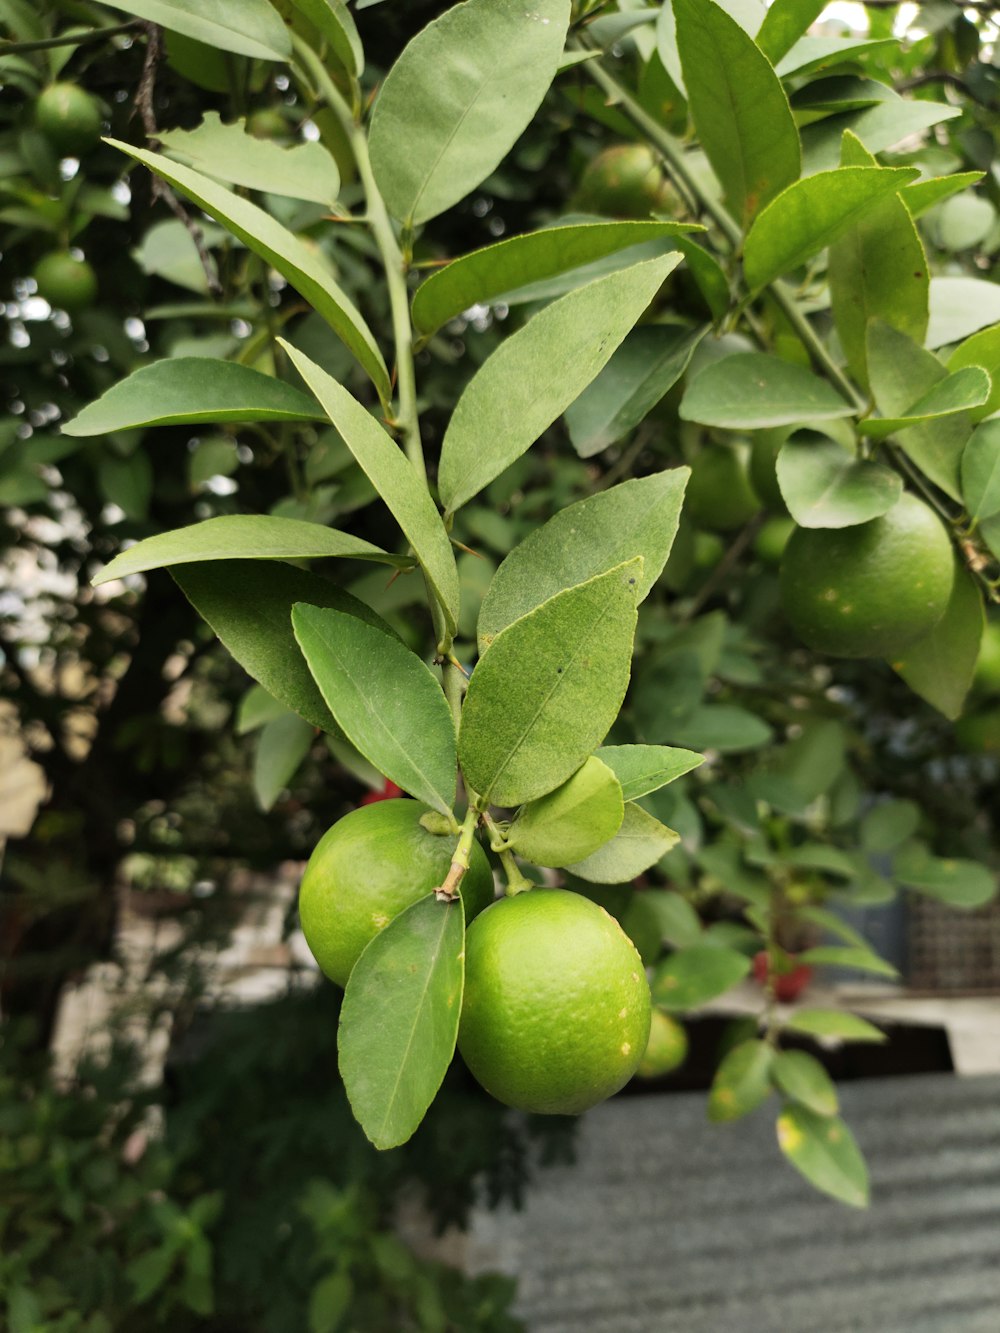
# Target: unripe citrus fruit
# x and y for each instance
(65, 282)
(666, 1049)
(719, 494)
(769, 544)
(868, 590)
(372, 864)
(267, 124)
(987, 677)
(626, 181)
(556, 1011)
(69, 118)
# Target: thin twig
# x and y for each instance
(69, 39)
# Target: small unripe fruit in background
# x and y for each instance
(720, 496)
(666, 1049)
(67, 283)
(627, 181)
(69, 118)
(267, 124)
(769, 544)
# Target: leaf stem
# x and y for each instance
(460, 858)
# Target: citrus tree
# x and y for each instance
(681, 727)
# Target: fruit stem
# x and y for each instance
(448, 890)
(516, 882)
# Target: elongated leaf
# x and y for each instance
(332, 19)
(751, 390)
(393, 476)
(536, 373)
(823, 1149)
(739, 107)
(249, 605)
(802, 1079)
(959, 883)
(784, 24)
(691, 977)
(257, 708)
(242, 537)
(399, 1020)
(459, 97)
(960, 306)
(981, 349)
(497, 269)
(640, 842)
(281, 747)
(856, 957)
(981, 471)
(679, 924)
(572, 821)
(637, 517)
(749, 14)
(281, 249)
(959, 392)
(922, 195)
(724, 727)
(825, 487)
(642, 769)
(881, 126)
(192, 389)
(742, 1082)
(229, 153)
(833, 1023)
(812, 213)
(886, 826)
(548, 689)
(247, 27)
(812, 55)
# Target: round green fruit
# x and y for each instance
(627, 181)
(987, 677)
(65, 282)
(557, 1007)
(769, 544)
(872, 589)
(267, 124)
(369, 867)
(719, 494)
(69, 118)
(666, 1049)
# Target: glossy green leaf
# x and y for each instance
(724, 727)
(784, 24)
(813, 213)
(459, 97)
(192, 389)
(387, 701)
(645, 367)
(281, 747)
(640, 842)
(490, 273)
(709, 276)
(922, 195)
(901, 372)
(881, 126)
(399, 1019)
(888, 825)
(571, 822)
(833, 1023)
(393, 476)
(246, 27)
(332, 20)
(256, 708)
(228, 153)
(823, 1150)
(291, 257)
(981, 471)
(981, 349)
(961, 391)
(637, 517)
(749, 14)
(248, 603)
(940, 665)
(815, 55)
(960, 306)
(536, 373)
(802, 1079)
(752, 389)
(824, 486)
(738, 105)
(742, 1081)
(642, 769)
(856, 957)
(959, 883)
(545, 693)
(691, 977)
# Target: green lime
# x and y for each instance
(69, 118)
(987, 677)
(627, 181)
(769, 544)
(267, 124)
(666, 1049)
(65, 282)
(719, 494)
(372, 864)
(709, 548)
(868, 590)
(557, 1008)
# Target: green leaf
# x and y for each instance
(645, 367)
(399, 1019)
(940, 665)
(709, 275)
(547, 690)
(724, 727)
(812, 55)
(981, 471)
(742, 1081)
(833, 1023)
(802, 1079)
(691, 977)
(332, 20)
(329, 1302)
(248, 603)
(888, 825)
(811, 214)
(678, 923)
(536, 373)
(393, 476)
(281, 747)
(642, 769)
(824, 486)
(640, 842)
(490, 273)
(960, 306)
(281, 249)
(749, 14)
(738, 105)
(900, 372)
(228, 153)
(388, 703)
(854, 956)
(981, 349)
(127, 482)
(959, 392)
(246, 27)
(823, 1150)
(922, 195)
(241, 537)
(881, 126)
(187, 389)
(959, 883)
(751, 390)
(637, 517)
(572, 821)
(459, 97)
(784, 24)
(255, 709)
